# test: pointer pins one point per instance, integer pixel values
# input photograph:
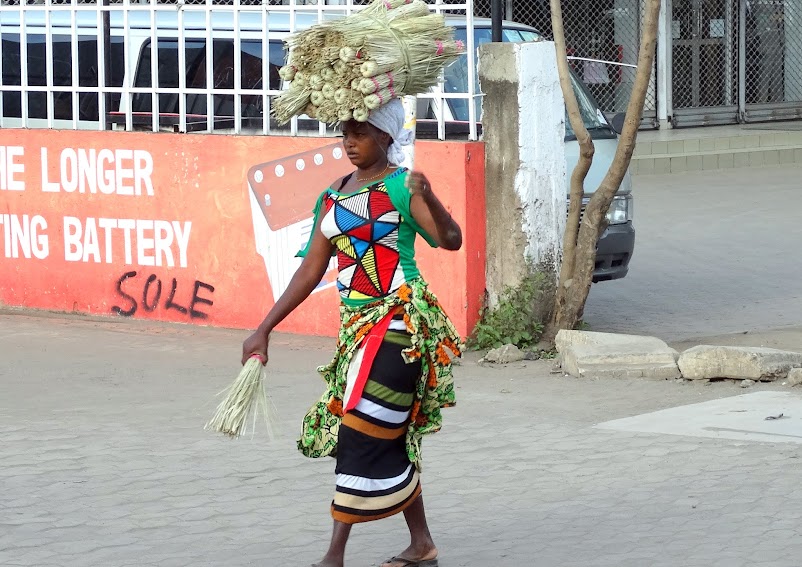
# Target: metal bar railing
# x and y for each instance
(49, 68)
(23, 53)
(616, 63)
(128, 78)
(237, 70)
(74, 74)
(182, 77)
(122, 28)
(265, 82)
(154, 67)
(103, 58)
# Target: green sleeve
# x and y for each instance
(400, 197)
(318, 206)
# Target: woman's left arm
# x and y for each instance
(431, 215)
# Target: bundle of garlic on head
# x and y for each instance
(342, 69)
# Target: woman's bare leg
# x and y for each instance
(335, 556)
(421, 546)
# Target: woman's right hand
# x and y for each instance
(256, 344)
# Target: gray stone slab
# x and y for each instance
(607, 355)
(566, 339)
(706, 362)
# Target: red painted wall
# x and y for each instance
(199, 229)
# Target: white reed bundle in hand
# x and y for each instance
(245, 397)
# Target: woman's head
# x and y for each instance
(380, 138)
(365, 145)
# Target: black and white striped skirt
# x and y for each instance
(375, 478)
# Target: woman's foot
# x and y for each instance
(413, 555)
(328, 563)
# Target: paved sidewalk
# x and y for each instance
(104, 462)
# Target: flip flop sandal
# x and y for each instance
(404, 562)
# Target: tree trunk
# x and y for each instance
(573, 292)
(586, 151)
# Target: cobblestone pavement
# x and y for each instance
(714, 254)
(104, 462)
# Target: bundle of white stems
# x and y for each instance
(245, 398)
(343, 69)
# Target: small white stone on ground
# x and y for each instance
(504, 355)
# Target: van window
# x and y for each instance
(587, 108)
(11, 61)
(62, 75)
(456, 74)
(456, 81)
(195, 72)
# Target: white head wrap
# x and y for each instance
(390, 118)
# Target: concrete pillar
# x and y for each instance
(523, 123)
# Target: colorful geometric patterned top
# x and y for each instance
(374, 235)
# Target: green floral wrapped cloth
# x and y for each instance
(434, 341)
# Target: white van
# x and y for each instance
(615, 247)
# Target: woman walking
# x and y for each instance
(391, 373)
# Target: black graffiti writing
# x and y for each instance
(152, 306)
(132, 309)
(170, 304)
(151, 296)
(197, 299)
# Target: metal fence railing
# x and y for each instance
(772, 67)
(174, 65)
(603, 39)
(705, 53)
(736, 60)
(212, 65)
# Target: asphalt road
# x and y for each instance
(715, 253)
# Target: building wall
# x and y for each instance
(199, 229)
